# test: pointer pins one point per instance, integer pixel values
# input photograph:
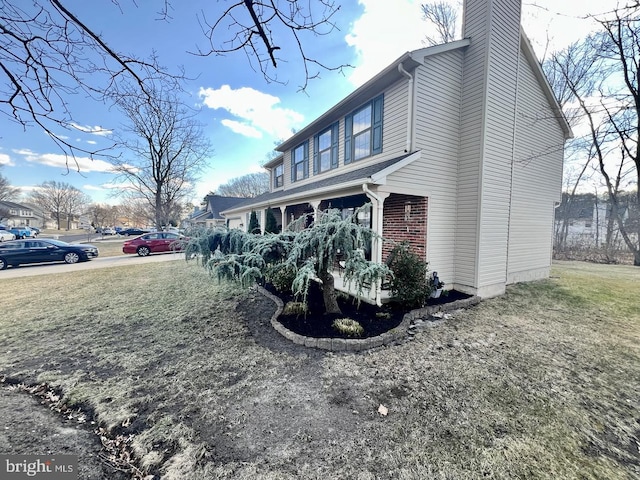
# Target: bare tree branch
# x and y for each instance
(444, 17)
(601, 76)
(264, 28)
(47, 55)
(247, 186)
(166, 147)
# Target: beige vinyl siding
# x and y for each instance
(394, 134)
(537, 180)
(486, 146)
(504, 51)
(437, 124)
(471, 131)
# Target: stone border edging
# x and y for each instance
(359, 344)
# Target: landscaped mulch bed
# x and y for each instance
(374, 320)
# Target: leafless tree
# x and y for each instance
(265, 29)
(7, 192)
(600, 77)
(48, 54)
(103, 215)
(137, 212)
(166, 150)
(60, 200)
(246, 186)
(444, 18)
(76, 203)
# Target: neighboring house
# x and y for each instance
(584, 221)
(18, 214)
(458, 147)
(210, 215)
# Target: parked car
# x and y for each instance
(6, 235)
(22, 232)
(154, 242)
(18, 252)
(108, 231)
(133, 231)
(35, 230)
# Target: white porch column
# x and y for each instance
(377, 201)
(263, 220)
(316, 208)
(283, 209)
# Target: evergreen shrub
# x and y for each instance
(410, 287)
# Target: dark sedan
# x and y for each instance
(18, 252)
(133, 231)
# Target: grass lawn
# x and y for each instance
(109, 248)
(540, 383)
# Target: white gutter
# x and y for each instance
(298, 196)
(379, 206)
(409, 106)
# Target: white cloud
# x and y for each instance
(6, 160)
(553, 25)
(83, 164)
(92, 142)
(386, 30)
(96, 130)
(255, 112)
(242, 128)
(93, 188)
(383, 33)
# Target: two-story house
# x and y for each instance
(17, 214)
(458, 147)
(209, 215)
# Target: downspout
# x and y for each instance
(409, 107)
(378, 251)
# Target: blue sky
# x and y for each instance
(243, 115)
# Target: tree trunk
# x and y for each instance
(329, 293)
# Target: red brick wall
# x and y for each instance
(398, 228)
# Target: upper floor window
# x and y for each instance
(278, 176)
(300, 162)
(363, 131)
(325, 150)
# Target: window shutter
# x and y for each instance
(376, 146)
(348, 132)
(306, 159)
(293, 167)
(316, 167)
(335, 140)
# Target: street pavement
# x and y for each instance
(100, 262)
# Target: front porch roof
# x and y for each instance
(201, 216)
(375, 173)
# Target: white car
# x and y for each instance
(6, 235)
(108, 231)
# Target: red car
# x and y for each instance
(155, 242)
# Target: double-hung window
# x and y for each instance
(363, 131)
(278, 176)
(300, 162)
(325, 150)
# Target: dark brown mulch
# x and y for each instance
(375, 320)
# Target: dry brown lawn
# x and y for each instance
(540, 383)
